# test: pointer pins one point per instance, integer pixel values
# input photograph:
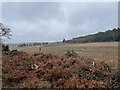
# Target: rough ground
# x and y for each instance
(101, 51)
(51, 71)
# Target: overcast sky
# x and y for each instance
(45, 21)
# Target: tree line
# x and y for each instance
(109, 35)
(32, 44)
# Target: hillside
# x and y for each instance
(109, 35)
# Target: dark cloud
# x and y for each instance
(45, 21)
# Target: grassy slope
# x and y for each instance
(104, 51)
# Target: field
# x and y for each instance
(97, 66)
(104, 51)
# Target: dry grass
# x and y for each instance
(105, 51)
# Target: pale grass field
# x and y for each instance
(104, 51)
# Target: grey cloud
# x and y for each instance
(32, 11)
(103, 14)
(55, 21)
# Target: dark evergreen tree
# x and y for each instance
(63, 40)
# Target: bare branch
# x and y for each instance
(5, 31)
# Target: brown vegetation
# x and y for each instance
(51, 71)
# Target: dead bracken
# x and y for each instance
(51, 71)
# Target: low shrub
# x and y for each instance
(71, 53)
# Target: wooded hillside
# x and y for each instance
(109, 35)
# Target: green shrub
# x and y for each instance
(71, 53)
